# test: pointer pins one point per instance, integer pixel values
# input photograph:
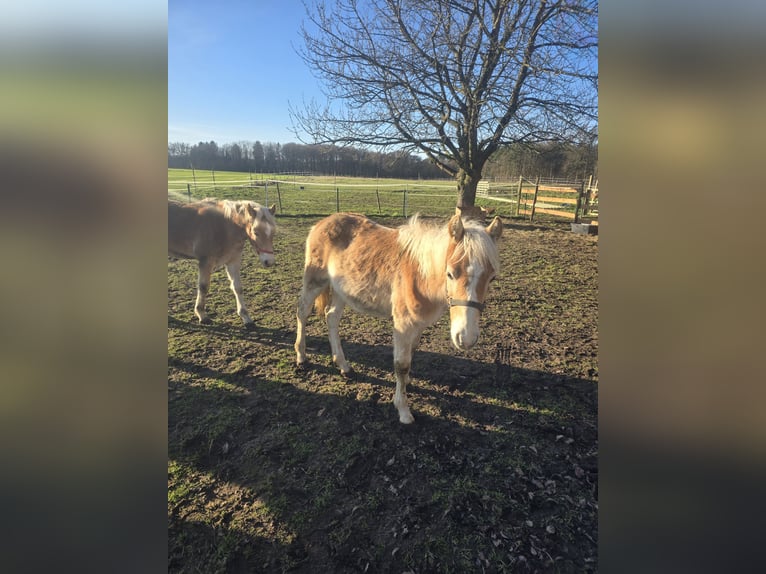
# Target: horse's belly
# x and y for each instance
(368, 307)
(178, 254)
(364, 299)
(179, 245)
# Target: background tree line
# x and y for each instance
(551, 159)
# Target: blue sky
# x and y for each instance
(233, 68)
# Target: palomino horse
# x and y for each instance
(214, 233)
(412, 274)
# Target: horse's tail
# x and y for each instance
(322, 301)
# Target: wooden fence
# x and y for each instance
(560, 198)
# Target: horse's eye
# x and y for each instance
(450, 276)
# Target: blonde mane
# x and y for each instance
(477, 244)
(426, 244)
(235, 210)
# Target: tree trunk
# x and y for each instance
(466, 188)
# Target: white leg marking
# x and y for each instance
(203, 284)
(403, 347)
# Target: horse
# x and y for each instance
(477, 212)
(214, 233)
(412, 274)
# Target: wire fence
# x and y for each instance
(295, 197)
(298, 194)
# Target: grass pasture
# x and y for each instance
(271, 470)
(321, 195)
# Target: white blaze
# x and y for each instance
(464, 326)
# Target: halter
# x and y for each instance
(463, 303)
(258, 250)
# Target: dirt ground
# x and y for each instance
(274, 470)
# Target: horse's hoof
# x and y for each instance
(205, 321)
(250, 326)
(301, 367)
(349, 375)
(406, 418)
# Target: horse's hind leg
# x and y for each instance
(333, 314)
(203, 285)
(232, 270)
(309, 292)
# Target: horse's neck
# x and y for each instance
(240, 222)
(432, 262)
(437, 289)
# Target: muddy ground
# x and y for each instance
(273, 470)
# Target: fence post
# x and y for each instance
(337, 200)
(404, 203)
(518, 198)
(378, 196)
(266, 193)
(194, 177)
(279, 197)
(534, 199)
(214, 188)
(586, 204)
(188, 190)
(579, 202)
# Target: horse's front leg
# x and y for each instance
(232, 270)
(404, 344)
(203, 285)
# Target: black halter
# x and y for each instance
(463, 303)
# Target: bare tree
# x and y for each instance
(451, 79)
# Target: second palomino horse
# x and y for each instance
(412, 274)
(214, 233)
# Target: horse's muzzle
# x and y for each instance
(267, 260)
(464, 341)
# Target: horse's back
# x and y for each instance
(197, 229)
(358, 257)
(356, 234)
(180, 225)
(340, 228)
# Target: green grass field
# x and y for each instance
(321, 195)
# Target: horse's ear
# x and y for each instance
(455, 227)
(495, 229)
(273, 209)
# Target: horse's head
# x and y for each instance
(260, 231)
(472, 262)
